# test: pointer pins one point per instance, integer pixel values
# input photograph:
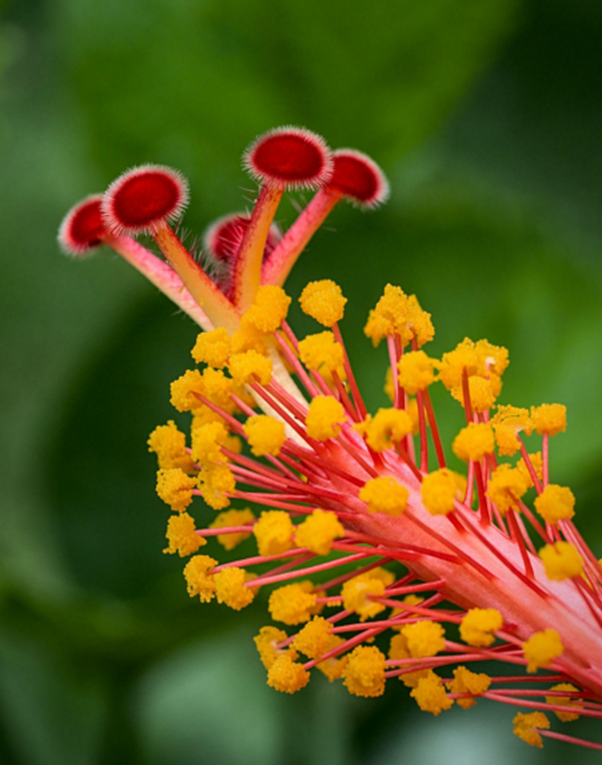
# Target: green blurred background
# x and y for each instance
(486, 116)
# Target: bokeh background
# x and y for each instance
(486, 116)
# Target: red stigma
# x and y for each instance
(82, 228)
(290, 156)
(142, 198)
(223, 238)
(359, 177)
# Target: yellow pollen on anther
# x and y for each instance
(286, 675)
(561, 561)
(321, 352)
(542, 648)
(386, 428)
(274, 532)
(424, 639)
(466, 681)
(250, 367)
(293, 603)
(430, 694)
(564, 701)
(440, 489)
(323, 301)
(334, 666)
(181, 536)
(416, 371)
(384, 495)
(398, 649)
(526, 725)
(230, 587)
(269, 309)
(357, 592)
(555, 503)
(184, 388)
(482, 391)
(174, 487)
(473, 442)
(314, 638)
(481, 359)
(169, 444)
(507, 423)
(212, 348)
(365, 671)
(536, 460)
(318, 531)
(207, 441)
(549, 418)
(266, 435)
(233, 518)
(199, 579)
(506, 486)
(324, 418)
(266, 643)
(478, 625)
(215, 482)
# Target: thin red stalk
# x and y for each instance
(527, 460)
(570, 739)
(545, 452)
(355, 393)
(517, 538)
(496, 696)
(432, 420)
(261, 581)
(297, 366)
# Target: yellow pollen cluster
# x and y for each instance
(478, 625)
(169, 444)
(480, 359)
(250, 367)
(174, 487)
(424, 639)
(269, 309)
(215, 483)
(440, 489)
(386, 428)
(526, 725)
(233, 518)
(365, 671)
(321, 352)
(184, 388)
(356, 592)
(506, 486)
(397, 314)
(542, 648)
(323, 301)
(536, 460)
(212, 348)
(230, 588)
(416, 371)
(207, 441)
(398, 649)
(293, 603)
(334, 666)
(181, 536)
(324, 418)
(318, 531)
(549, 418)
(265, 434)
(430, 694)
(466, 681)
(266, 643)
(564, 701)
(274, 532)
(199, 580)
(286, 675)
(555, 503)
(473, 442)
(483, 392)
(314, 639)
(561, 561)
(507, 422)
(384, 495)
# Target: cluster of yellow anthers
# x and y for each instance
(364, 521)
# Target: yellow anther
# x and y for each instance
(440, 489)
(265, 434)
(564, 701)
(526, 725)
(230, 587)
(321, 353)
(466, 681)
(314, 639)
(233, 518)
(184, 388)
(318, 531)
(482, 391)
(506, 486)
(212, 348)
(203, 415)
(207, 441)
(430, 694)
(334, 666)
(384, 495)
(416, 371)
(479, 624)
(215, 483)
(424, 638)
(249, 338)
(169, 444)
(293, 603)
(398, 649)
(397, 314)
(324, 418)
(357, 592)
(387, 428)
(323, 301)
(181, 536)
(174, 487)
(365, 671)
(419, 322)
(481, 359)
(250, 367)
(507, 423)
(274, 532)
(542, 648)
(555, 503)
(473, 442)
(549, 418)
(269, 309)
(561, 561)
(266, 643)
(536, 463)
(286, 675)
(199, 579)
